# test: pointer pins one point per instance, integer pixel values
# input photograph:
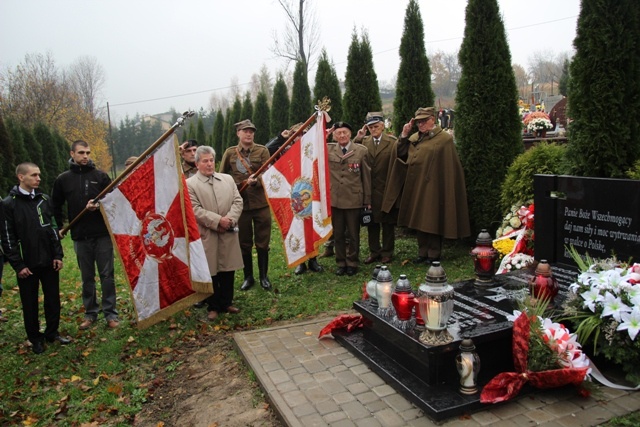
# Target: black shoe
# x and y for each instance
(352, 271)
(421, 260)
(265, 283)
(199, 304)
(62, 340)
(341, 271)
(247, 284)
(300, 269)
(37, 347)
(315, 266)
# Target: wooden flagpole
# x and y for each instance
(129, 168)
(323, 105)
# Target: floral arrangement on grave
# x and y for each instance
(545, 355)
(604, 304)
(538, 121)
(515, 238)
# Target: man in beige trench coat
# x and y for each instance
(217, 205)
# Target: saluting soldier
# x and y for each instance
(350, 176)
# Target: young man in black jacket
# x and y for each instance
(31, 244)
(91, 240)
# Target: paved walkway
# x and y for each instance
(312, 382)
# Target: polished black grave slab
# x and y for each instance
(426, 375)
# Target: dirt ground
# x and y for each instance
(210, 388)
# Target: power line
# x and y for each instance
(376, 53)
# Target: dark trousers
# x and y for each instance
(92, 253)
(346, 225)
(388, 239)
(254, 223)
(222, 291)
(429, 245)
(50, 280)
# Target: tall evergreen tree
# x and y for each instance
(261, 119)
(488, 139)
(247, 107)
(301, 107)
(20, 152)
(565, 78)
(235, 116)
(279, 107)
(327, 84)
(63, 148)
(43, 135)
(37, 157)
(201, 135)
(192, 130)
(8, 160)
(361, 93)
(413, 86)
(604, 92)
(218, 135)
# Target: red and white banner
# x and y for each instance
(154, 231)
(297, 187)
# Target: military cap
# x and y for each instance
(424, 113)
(245, 124)
(339, 125)
(374, 117)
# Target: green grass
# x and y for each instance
(105, 376)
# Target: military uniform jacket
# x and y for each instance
(212, 198)
(253, 196)
(428, 185)
(379, 159)
(350, 176)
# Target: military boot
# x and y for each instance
(263, 267)
(249, 281)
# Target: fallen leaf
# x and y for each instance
(115, 389)
(75, 378)
(131, 339)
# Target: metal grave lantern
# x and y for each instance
(436, 306)
(484, 257)
(384, 289)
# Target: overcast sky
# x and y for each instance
(154, 49)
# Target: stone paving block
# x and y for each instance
(506, 410)
(552, 423)
(347, 378)
(333, 386)
(302, 378)
(397, 402)
(304, 409)
(323, 376)
(372, 379)
(521, 421)
(329, 360)
(461, 421)
(611, 393)
(389, 418)
(383, 390)
(344, 423)
(342, 398)
(422, 422)
(334, 417)
(286, 386)
(313, 420)
(484, 418)
(631, 402)
(594, 415)
(358, 388)
(616, 409)
(368, 422)
(313, 366)
(317, 394)
(366, 398)
(360, 369)
(269, 367)
(294, 398)
(352, 361)
(337, 369)
(582, 402)
(561, 408)
(279, 376)
(296, 371)
(530, 402)
(327, 407)
(355, 410)
(377, 405)
(289, 362)
(411, 414)
(266, 358)
(539, 415)
(571, 421)
(259, 350)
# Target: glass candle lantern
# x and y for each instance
(543, 285)
(372, 288)
(384, 289)
(468, 366)
(402, 300)
(484, 257)
(436, 306)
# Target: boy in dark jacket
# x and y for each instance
(31, 244)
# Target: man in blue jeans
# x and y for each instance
(77, 187)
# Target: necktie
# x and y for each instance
(376, 141)
(344, 150)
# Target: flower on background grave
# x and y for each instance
(545, 354)
(604, 304)
(515, 237)
(539, 124)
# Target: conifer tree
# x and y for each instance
(20, 152)
(604, 92)
(43, 135)
(328, 85)
(300, 108)
(488, 128)
(201, 135)
(192, 130)
(279, 107)
(413, 86)
(218, 135)
(565, 78)
(247, 107)
(361, 93)
(261, 119)
(227, 132)
(234, 117)
(37, 157)
(8, 160)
